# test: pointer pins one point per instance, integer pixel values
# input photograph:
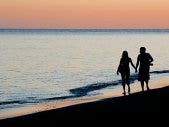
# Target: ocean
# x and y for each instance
(42, 65)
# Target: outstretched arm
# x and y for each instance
(151, 58)
(137, 63)
(133, 64)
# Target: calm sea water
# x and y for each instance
(43, 65)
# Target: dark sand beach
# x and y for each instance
(141, 107)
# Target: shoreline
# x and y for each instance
(112, 93)
(147, 106)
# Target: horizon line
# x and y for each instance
(84, 28)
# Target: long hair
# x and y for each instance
(125, 55)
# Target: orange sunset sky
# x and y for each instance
(84, 14)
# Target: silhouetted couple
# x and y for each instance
(144, 61)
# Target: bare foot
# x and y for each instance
(124, 93)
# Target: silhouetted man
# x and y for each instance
(144, 61)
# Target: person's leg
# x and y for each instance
(142, 85)
(128, 82)
(124, 91)
(147, 85)
(123, 83)
(128, 88)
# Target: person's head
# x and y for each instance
(125, 54)
(142, 50)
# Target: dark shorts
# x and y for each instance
(143, 74)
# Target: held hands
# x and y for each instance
(135, 69)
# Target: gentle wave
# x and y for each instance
(82, 91)
(12, 102)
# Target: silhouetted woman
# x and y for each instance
(124, 69)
